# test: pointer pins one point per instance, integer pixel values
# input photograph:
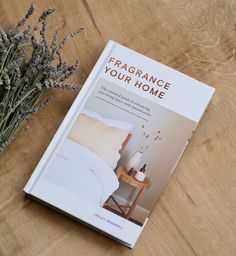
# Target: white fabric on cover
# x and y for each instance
(79, 170)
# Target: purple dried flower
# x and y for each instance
(23, 80)
(28, 14)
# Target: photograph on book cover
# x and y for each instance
(120, 151)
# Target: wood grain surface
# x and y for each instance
(196, 214)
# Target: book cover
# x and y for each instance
(119, 143)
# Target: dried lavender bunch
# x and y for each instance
(23, 81)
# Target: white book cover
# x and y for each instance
(119, 143)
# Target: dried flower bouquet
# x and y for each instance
(29, 66)
(148, 138)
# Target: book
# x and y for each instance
(131, 112)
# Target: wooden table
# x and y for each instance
(196, 214)
(130, 179)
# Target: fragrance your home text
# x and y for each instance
(145, 82)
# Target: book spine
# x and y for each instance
(70, 116)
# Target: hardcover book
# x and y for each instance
(119, 143)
